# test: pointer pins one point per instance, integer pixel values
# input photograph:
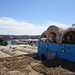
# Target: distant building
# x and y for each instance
(23, 41)
(13, 42)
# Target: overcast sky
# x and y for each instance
(32, 17)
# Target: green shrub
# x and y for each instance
(3, 42)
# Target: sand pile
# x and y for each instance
(2, 54)
(19, 53)
(13, 50)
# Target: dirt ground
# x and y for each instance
(25, 65)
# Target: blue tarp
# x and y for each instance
(63, 51)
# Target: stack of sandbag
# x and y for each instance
(52, 34)
(55, 34)
(69, 32)
(42, 36)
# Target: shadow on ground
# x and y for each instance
(60, 63)
(31, 55)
